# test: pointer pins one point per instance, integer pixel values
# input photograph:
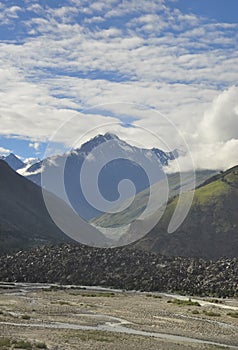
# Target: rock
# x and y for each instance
(121, 268)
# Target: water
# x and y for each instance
(114, 324)
(116, 327)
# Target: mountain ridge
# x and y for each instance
(115, 170)
(211, 228)
(88, 146)
(13, 161)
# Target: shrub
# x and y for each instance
(5, 342)
(21, 344)
(153, 296)
(188, 302)
(41, 346)
(233, 314)
(195, 312)
(26, 317)
(211, 313)
(99, 294)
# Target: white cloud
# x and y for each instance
(35, 8)
(133, 51)
(30, 161)
(220, 122)
(4, 151)
(35, 145)
(9, 14)
(215, 144)
(13, 11)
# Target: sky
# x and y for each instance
(72, 69)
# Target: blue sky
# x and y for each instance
(217, 10)
(96, 63)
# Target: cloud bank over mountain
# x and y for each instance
(119, 62)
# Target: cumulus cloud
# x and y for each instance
(220, 122)
(215, 144)
(218, 132)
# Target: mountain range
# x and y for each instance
(122, 165)
(115, 171)
(209, 231)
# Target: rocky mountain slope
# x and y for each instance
(121, 268)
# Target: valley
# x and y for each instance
(119, 175)
(78, 317)
(163, 291)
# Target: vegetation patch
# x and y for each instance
(53, 288)
(22, 344)
(211, 313)
(195, 312)
(214, 301)
(5, 342)
(153, 296)
(26, 317)
(188, 302)
(94, 336)
(98, 294)
(233, 314)
(61, 302)
(40, 346)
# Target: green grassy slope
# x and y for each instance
(125, 217)
(211, 228)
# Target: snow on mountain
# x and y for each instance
(87, 147)
(125, 162)
(28, 163)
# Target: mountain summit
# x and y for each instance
(122, 161)
(14, 162)
(97, 140)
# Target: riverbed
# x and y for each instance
(82, 317)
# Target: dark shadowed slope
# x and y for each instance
(24, 220)
(211, 228)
